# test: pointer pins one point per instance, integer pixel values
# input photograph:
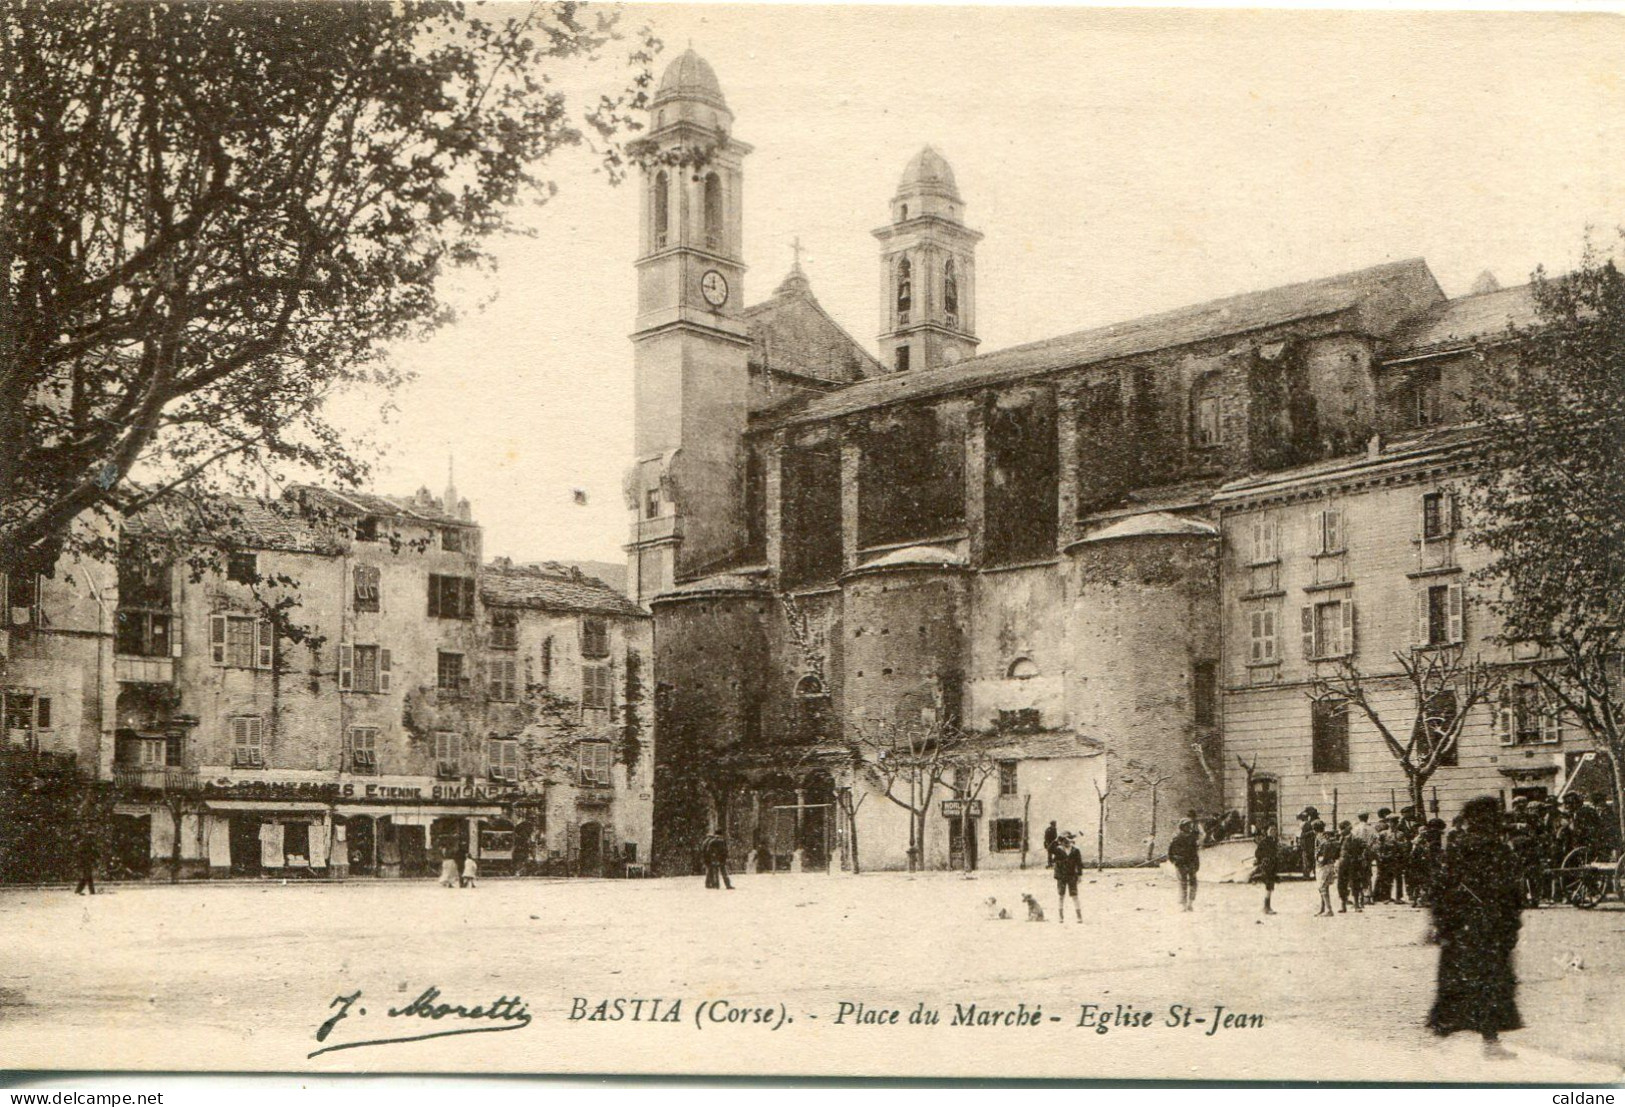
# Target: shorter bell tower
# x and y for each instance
(927, 271)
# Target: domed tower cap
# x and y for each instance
(928, 171)
(690, 77)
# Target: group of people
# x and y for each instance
(1370, 862)
(455, 875)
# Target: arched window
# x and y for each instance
(810, 686)
(905, 289)
(950, 292)
(1022, 668)
(713, 211)
(662, 209)
(903, 218)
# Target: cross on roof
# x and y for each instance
(795, 248)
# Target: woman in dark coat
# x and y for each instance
(1476, 907)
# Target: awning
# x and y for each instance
(265, 805)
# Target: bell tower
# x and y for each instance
(927, 271)
(690, 347)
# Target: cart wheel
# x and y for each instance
(1576, 857)
(1619, 879)
(1587, 890)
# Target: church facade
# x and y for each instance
(910, 610)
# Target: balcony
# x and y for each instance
(154, 778)
(594, 795)
(144, 670)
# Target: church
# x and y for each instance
(910, 610)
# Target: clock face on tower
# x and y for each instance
(714, 287)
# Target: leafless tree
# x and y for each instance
(1445, 687)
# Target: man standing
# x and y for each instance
(1306, 839)
(1353, 869)
(1185, 853)
(1327, 851)
(1266, 863)
(714, 854)
(87, 863)
(1068, 868)
(1050, 835)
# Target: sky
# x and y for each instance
(1118, 163)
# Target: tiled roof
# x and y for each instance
(553, 588)
(1459, 321)
(234, 520)
(420, 508)
(792, 333)
(1382, 295)
(737, 582)
(1039, 746)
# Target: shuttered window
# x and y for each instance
(1328, 630)
(1262, 648)
(595, 687)
(246, 747)
(1441, 615)
(451, 597)
(594, 759)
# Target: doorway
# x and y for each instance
(245, 845)
(959, 841)
(1263, 804)
(591, 860)
(362, 848)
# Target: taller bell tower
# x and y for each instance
(690, 348)
(927, 270)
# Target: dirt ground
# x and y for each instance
(770, 977)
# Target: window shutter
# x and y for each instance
(1333, 530)
(346, 668)
(1454, 607)
(239, 732)
(1551, 720)
(1319, 539)
(1347, 641)
(467, 610)
(264, 639)
(1424, 625)
(1257, 651)
(434, 595)
(1308, 627)
(217, 639)
(1505, 724)
(175, 622)
(1269, 635)
(383, 670)
(1448, 518)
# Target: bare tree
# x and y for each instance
(1445, 688)
(906, 762)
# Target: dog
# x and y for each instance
(1035, 913)
(992, 910)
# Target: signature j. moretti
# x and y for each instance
(504, 1013)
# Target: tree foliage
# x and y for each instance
(1548, 504)
(215, 215)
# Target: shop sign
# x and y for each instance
(962, 809)
(308, 784)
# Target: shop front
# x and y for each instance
(306, 823)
